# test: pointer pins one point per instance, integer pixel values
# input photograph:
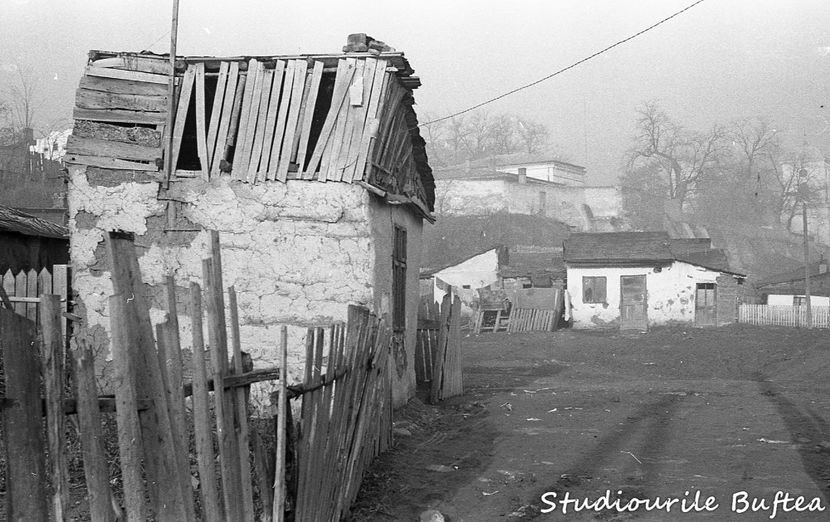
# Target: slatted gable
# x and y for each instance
(345, 119)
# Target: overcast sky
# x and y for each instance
(719, 61)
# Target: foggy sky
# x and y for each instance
(721, 60)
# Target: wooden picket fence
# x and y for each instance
(345, 423)
(531, 320)
(773, 315)
(438, 348)
(25, 288)
(346, 413)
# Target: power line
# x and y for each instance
(560, 71)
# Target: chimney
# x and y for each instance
(522, 175)
(822, 265)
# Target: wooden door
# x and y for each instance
(633, 303)
(706, 304)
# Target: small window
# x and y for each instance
(799, 300)
(593, 289)
(466, 287)
(399, 280)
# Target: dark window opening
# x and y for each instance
(466, 287)
(593, 289)
(321, 110)
(399, 279)
(189, 151)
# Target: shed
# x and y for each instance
(28, 242)
(634, 280)
(311, 167)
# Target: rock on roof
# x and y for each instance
(12, 220)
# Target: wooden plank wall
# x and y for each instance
(261, 118)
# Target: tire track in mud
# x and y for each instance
(808, 429)
(649, 426)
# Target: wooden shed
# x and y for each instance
(311, 167)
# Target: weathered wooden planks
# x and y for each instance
(91, 99)
(120, 74)
(26, 497)
(112, 149)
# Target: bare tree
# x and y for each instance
(533, 135)
(682, 156)
(21, 96)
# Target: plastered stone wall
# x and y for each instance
(297, 253)
(471, 197)
(383, 219)
(670, 294)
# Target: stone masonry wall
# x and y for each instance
(297, 253)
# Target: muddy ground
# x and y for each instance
(731, 413)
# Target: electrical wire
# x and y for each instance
(564, 69)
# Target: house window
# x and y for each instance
(799, 300)
(593, 289)
(399, 280)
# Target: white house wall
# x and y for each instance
(471, 197)
(297, 253)
(382, 219)
(670, 294)
(787, 300)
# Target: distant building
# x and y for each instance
(634, 280)
(487, 190)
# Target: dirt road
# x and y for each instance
(737, 414)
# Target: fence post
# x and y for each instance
(26, 470)
(53, 359)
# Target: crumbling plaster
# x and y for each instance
(297, 253)
(670, 293)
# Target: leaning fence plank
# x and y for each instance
(160, 457)
(181, 114)
(60, 286)
(96, 472)
(171, 377)
(53, 371)
(129, 439)
(31, 291)
(224, 429)
(241, 408)
(308, 118)
(20, 291)
(211, 511)
(279, 471)
(25, 497)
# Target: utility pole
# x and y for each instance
(171, 91)
(803, 190)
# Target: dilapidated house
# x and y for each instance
(634, 280)
(311, 167)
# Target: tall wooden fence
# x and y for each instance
(772, 315)
(438, 349)
(345, 422)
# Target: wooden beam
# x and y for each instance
(109, 163)
(119, 74)
(87, 99)
(119, 116)
(112, 149)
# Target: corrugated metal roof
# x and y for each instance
(12, 220)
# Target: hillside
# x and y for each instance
(454, 238)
